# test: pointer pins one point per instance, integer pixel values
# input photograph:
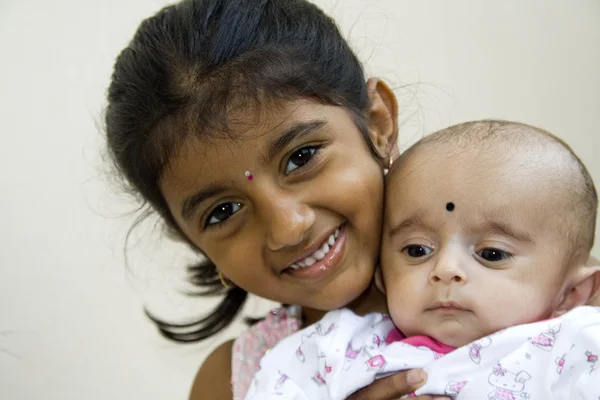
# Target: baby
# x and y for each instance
(487, 230)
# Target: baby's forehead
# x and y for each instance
(464, 155)
(499, 161)
(486, 181)
(440, 164)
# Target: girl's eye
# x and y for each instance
(222, 212)
(417, 251)
(299, 158)
(493, 255)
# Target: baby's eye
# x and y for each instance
(222, 212)
(300, 157)
(493, 255)
(417, 251)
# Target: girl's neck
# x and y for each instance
(372, 300)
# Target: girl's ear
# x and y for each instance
(383, 119)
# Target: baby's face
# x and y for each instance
(469, 246)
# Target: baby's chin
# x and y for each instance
(453, 336)
(456, 340)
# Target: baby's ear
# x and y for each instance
(583, 288)
(379, 280)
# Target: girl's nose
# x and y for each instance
(288, 222)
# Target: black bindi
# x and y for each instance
(450, 206)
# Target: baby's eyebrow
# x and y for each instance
(506, 229)
(295, 132)
(414, 221)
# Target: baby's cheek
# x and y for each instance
(507, 315)
(401, 297)
(407, 321)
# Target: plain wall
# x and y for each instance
(71, 320)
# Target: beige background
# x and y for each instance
(71, 322)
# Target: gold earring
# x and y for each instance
(225, 282)
(389, 166)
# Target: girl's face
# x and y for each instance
(306, 228)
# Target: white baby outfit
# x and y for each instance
(554, 359)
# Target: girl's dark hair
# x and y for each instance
(193, 63)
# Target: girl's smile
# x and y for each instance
(323, 260)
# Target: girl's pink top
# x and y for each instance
(253, 344)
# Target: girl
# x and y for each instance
(250, 128)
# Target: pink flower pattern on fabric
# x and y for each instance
(560, 362)
(592, 359)
(454, 388)
(503, 394)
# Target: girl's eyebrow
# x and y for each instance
(296, 132)
(191, 203)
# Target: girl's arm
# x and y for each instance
(213, 381)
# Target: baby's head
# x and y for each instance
(487, 225)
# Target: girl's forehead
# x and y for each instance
(270, 116)
(248, 143)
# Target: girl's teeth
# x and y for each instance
(319, 254)
(331, 240)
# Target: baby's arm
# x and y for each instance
(310, 363)
(295, 368)
(270, 384)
